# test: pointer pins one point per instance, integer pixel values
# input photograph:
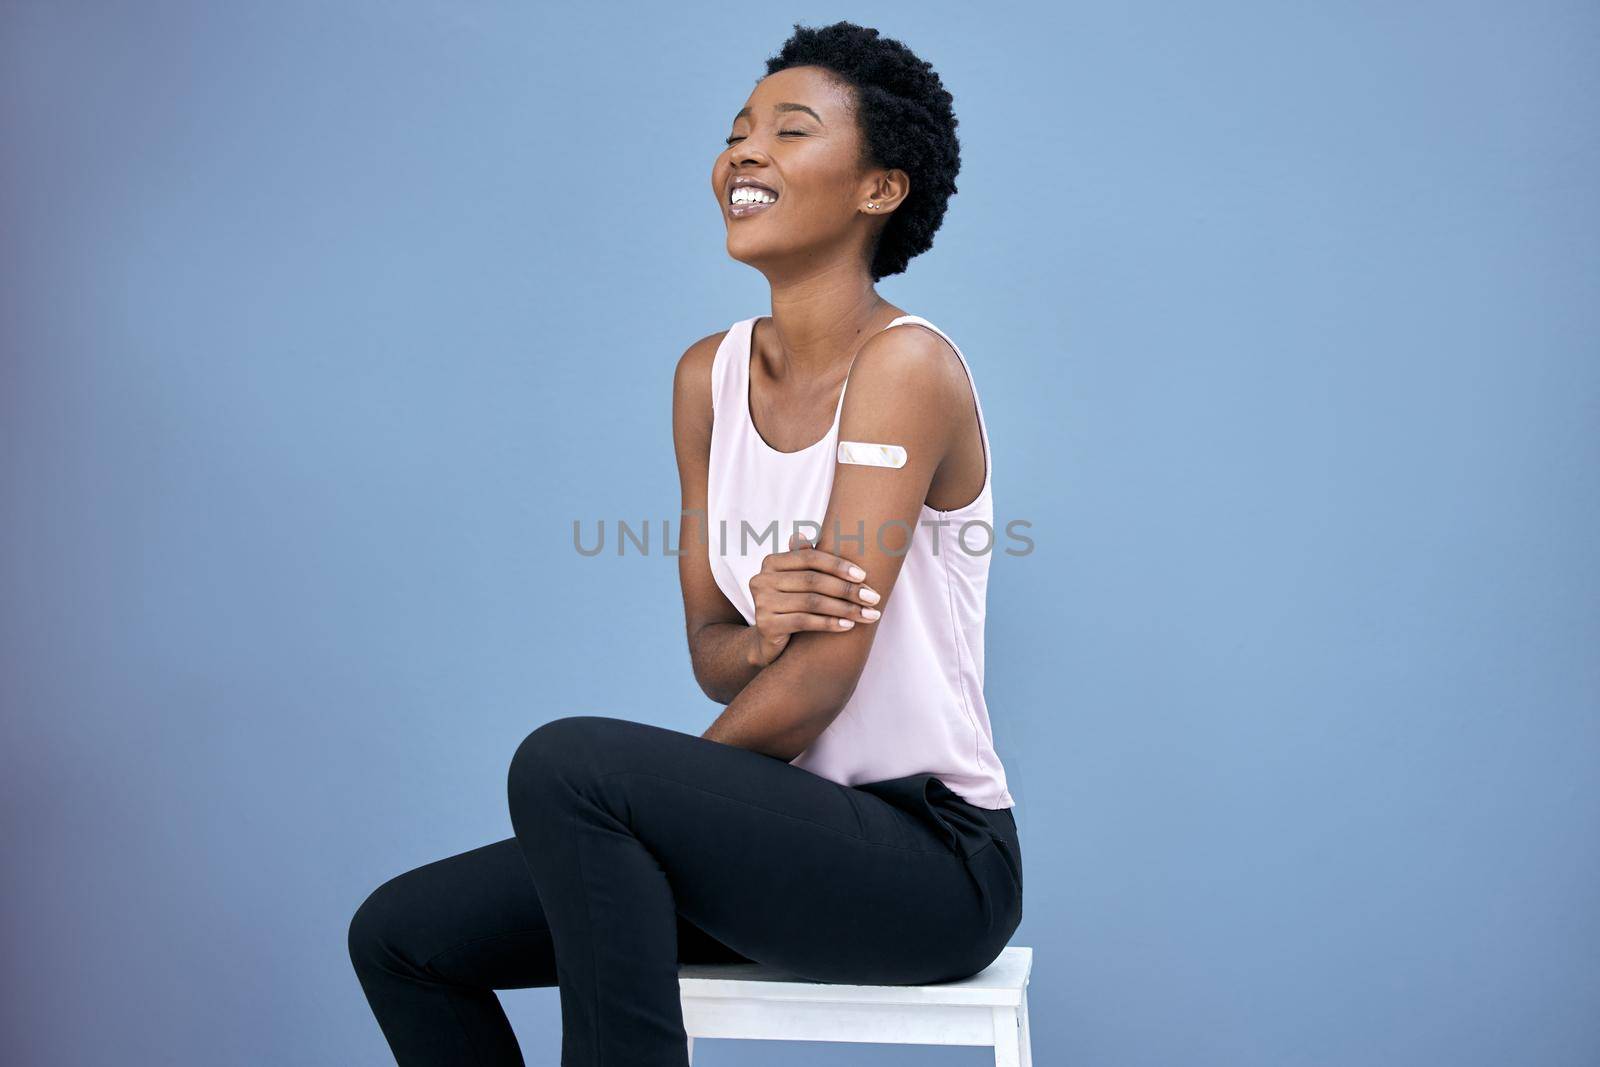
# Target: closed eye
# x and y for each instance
(797, 133)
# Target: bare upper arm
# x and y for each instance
(703, 600)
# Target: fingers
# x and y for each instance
(806, 588)
(795, 621)
(809, 581)
(802, 555)
(781, 603)
(785, 577)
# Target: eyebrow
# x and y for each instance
(744, 112)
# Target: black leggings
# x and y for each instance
(639, 847)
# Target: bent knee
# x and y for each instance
(568, 747)
(372, 926)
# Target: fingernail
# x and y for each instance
(845, 624)
(870, 613)
(869, 594)
(857, 573)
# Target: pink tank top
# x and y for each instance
(918, 707)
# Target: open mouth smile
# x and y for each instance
(747, 197)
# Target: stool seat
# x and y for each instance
(752, 1001)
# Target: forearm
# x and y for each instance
(786, 705)
(722, 656)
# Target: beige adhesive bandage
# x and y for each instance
(866, 454)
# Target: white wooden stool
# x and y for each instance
(747, 1000)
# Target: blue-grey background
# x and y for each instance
(322, 323)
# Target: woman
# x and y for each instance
(845, 818)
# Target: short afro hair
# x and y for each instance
(907, 122)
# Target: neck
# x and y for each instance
(818, 323)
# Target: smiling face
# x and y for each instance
(791, 185)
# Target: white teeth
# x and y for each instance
(749, 194)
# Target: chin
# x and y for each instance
(747, 252)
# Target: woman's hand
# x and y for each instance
(805, 588)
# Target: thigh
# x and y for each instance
(475, 919)
(780, 864)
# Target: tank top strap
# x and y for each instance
(730, 369)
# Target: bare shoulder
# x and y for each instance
(910, 365)
(692, 409)
(693, 376)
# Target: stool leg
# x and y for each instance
(1022, 1030)
(1007, 1042)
